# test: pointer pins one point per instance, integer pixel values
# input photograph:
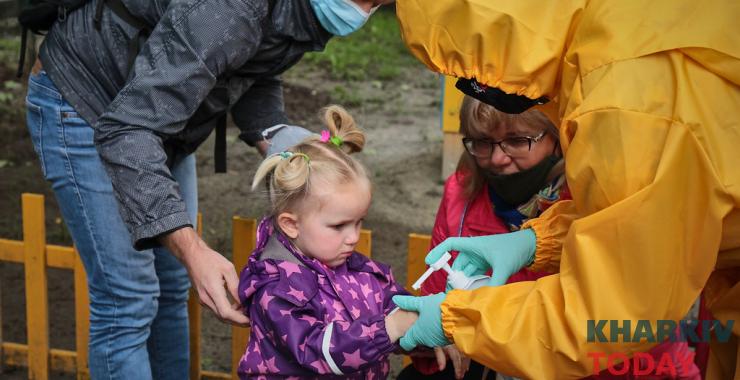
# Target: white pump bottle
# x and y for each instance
(456, 279)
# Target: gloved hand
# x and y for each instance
(427, 330)
(506, 254)
(281, 137)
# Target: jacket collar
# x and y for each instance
(300, 23)
(273, 244)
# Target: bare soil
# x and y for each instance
(403, 155)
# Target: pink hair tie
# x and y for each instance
(326, 137)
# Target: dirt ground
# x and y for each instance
(403, 155)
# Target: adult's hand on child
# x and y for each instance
(427, 330)
(281, 137)
(460, 362)
(210, 273)
(506, 254)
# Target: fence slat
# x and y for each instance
(194, 320)
(244, 239)
(16, 355)
(63, 360)
(57, 256)
(37, 316)
(82, 318)
(194, 326)
(211, 375)
(2, 353)
(417, 251)
(11, 251)
(365, 244)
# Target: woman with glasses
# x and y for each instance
(640, 100)
(512, 170)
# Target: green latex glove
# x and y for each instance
(427, 330)
(506, 254)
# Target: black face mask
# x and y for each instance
(520, 187)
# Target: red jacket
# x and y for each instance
(480, 220)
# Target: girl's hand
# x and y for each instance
(398, 322)
(460, 362)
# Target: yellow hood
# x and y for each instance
(520, 46)
(516, 46)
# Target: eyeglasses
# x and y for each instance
(515, 147)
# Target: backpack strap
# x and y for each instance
(22, 58)
(219, 149)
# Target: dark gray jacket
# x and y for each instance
(202, 58)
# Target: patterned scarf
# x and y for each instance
(515, 216)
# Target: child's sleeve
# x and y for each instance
(296, 328)
(390, 289)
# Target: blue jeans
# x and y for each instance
(138, 299)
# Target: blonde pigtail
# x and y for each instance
(341, 124)
(291, 174)
(265, 168)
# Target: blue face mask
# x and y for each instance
(340, 17)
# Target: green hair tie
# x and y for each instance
(288, 155)
(336, 140)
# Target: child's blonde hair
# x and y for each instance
(292, 175)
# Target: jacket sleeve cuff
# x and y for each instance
(383, 341)
(145, 236)
(547, 251)
(252, 133)
(450, 320)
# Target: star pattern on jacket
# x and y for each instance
(305, 315)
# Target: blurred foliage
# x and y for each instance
(9, 50)
(11, 89)
(375, 52)
(12, 101)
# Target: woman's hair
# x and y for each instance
(291, 176)
(477, 119)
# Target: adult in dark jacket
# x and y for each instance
(115, 131)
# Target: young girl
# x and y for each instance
(317, 307)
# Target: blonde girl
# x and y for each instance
(317, 307)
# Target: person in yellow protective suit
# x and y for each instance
(646, 95)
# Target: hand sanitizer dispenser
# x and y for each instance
(456, 279)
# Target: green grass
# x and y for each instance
(11, 88)
(375, 52)
(10, 48)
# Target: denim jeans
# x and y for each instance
(138, 299)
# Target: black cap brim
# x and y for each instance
(508, 103)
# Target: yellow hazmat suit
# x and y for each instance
(647, 98)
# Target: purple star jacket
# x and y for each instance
(310, 321)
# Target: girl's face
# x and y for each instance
(328, 227)
(500, 163)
